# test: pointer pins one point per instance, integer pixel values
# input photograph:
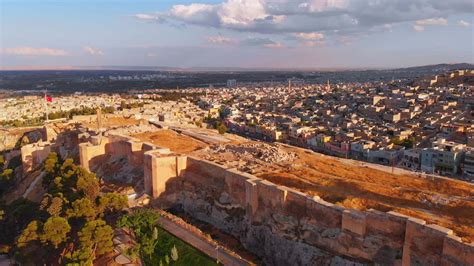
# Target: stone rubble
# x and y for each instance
(260, 151)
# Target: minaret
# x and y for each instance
(328, 87)
(289, 84)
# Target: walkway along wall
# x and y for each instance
(282, 225)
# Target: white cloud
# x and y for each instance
(31, 51)
(261, 42)
(313, 43)
(151, 55)
(145, 16)
(312, 16)
(310, 35)
(418, 28)
(463, 23)
(344, 40)
(323, 5)
(242, 12)
(274, 45)
(93, 51)
(432, 21)
(220, 40)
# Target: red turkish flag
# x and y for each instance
(48, 98)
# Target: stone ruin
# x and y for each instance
(281, 225)
(285, 226)
(269, 153)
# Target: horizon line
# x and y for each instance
(228, 68)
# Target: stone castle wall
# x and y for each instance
(364, 236)
(282, 225)
(34, 154)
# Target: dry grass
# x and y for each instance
(115, 121)
(448, 203)
(169, 139)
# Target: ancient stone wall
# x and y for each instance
(282, 225)
(89, 151)
(215, 194)
(34, 154)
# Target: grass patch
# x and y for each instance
(188, 255)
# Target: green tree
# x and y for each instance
(82, 208)
(2, 161)
(51, 164)
(30, 233)
(95, 238)
(142, 222)
(55, 231)
(56, 206)
(221, 128)
(97, 234)
(111, 202)
(7, 179)
(87, 184)
(174, 253)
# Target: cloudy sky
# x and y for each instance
(235, 33)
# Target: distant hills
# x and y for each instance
(426, 68)
(438, 67)
(121, 78)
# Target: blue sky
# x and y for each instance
(235, 33)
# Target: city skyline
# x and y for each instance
(235, 33)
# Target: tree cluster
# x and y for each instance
(151, 246)
(7, 173)
(36, 121)
(70, 225)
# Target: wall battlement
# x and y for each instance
(372, 236)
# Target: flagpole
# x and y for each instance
(46, 104)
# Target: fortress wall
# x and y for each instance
(390, 225)
(295, 204)
(251, 197)
(423, 243)
(118, 148)
(236, 185)
(147, 172)
(375, 235)
(210, 174)
(323, 214)
(146, 146)
(135, 156)
(354, 221)
(34, 154)
(114, 145)
(270, 196)
(89, 151)
(455, 252)
(164, 168)
(384, 238)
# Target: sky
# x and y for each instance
(41, 34)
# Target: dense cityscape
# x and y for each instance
(419, 125)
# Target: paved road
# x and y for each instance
(194, 240)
